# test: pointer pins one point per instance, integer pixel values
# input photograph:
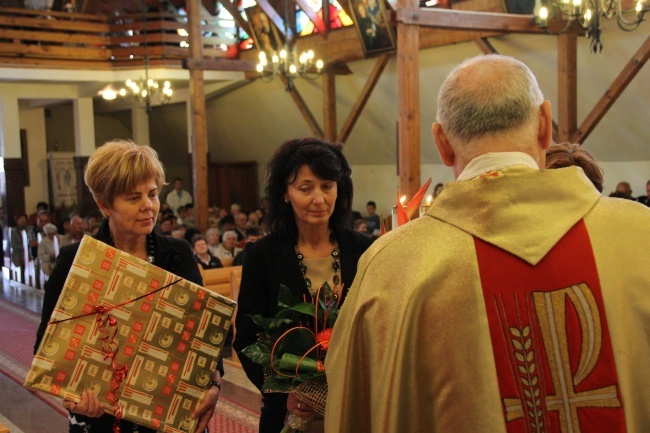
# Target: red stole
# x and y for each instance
(552, 348)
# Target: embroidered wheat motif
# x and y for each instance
(522, 343)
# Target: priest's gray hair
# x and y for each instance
(487, 94)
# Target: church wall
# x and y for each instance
(33, 121)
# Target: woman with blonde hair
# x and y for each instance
(125, 180)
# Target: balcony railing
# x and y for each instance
(71, 40)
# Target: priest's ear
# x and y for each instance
(545, 128)
(444, 148)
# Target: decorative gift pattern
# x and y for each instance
(141, 338)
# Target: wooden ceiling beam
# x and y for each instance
(485, 46)
(220, 64)
(232, 10)
(469, 20)
(316, 130)
(617, 87)
(273, 15)
(356, 111)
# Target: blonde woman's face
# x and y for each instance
(134, 213)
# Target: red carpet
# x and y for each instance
(17, 336)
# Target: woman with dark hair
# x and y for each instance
(570, 154)
(309, 190)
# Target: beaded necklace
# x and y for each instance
(336, 266)
(150, 243)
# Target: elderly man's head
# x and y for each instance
(77, 225)
(229, 240)
(491, 103)
(625, 189)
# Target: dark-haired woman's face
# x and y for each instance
(311, 198)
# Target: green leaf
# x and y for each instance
(331, 317)
(307, 308)
(289, 362)
(259, 353)
(262, 322)
(298, 342)
(286, 298)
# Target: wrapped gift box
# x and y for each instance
(169, 340)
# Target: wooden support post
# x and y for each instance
(611, 95)
(567, 86)
(329, 105)
(408, 89)
(199, 127)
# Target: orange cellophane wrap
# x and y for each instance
(169, 341)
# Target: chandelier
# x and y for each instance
(145, 89)
(288, 62)
(587, 13)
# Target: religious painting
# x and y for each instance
(264, 33)
(373, 26)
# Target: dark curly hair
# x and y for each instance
(327, 162)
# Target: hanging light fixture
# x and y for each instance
(587, 13)
(144, 89)
(288, 61)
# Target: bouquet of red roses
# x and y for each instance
(293, 346)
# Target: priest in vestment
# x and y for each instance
(520, 302)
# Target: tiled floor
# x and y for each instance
(25, 413)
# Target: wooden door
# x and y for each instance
(234, 182)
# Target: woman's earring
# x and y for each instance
(286, 201)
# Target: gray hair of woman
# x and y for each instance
(50, 229)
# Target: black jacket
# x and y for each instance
(269, 262)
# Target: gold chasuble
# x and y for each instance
(519, 303)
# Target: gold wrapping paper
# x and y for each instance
(170, 340)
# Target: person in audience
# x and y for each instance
(125, 179)
(76, 231)
(202, 253)
(361, 225)
(253, 219)
(569, 154)
(41, 206)
(189, 220)
(310, 192)
(65, 227)
(178, 234)
(373, 222)
(241, 221)
(48, 248)
(252, 234)
(178, 196)
(227, 224)
(16, 235)
(522, 295)
(227, 249)
(437, 190)
(624, 190)
(212, 237)
(645, 199)
(213, 217)
(166, 226)
(190, 233)
(235, 209)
